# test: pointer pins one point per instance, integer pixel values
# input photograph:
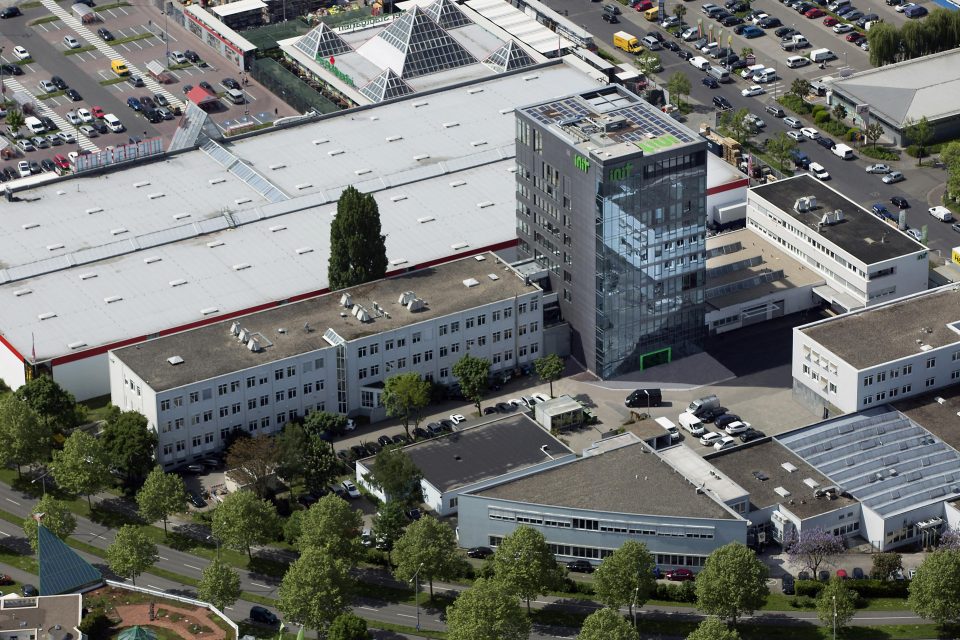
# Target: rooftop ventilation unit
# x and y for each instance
(235, 328)
(470, 282)
(362, 314)
(780, 491)
(789, 467)
(805, 203)
(243, 336)
(346, 300)
(175, 360)
(810, 482)
(254, 345)
(406, 297)
(415, 305)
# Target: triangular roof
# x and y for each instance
(447, 14)
(385, 86)
(321, 42)
(61, 569)
(420, 46)
(508, 57)
(137, 633)
(200, 96)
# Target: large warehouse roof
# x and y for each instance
(909, 90)
(91, 261)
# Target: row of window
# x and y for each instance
(607, 526)
(596, 553)
(906, 370)
(893, 393)
(206, 394)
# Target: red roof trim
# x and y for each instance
(727, 186)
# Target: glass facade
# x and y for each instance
(650, 261)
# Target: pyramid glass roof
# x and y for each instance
(385, 86)
(447, 14)
(61, 569)
(425, 46)
(508, 57)
(322, 42)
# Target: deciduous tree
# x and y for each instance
(56, 518)
(320, 422)
(625, 577)
(55, 407)
(885, 564)
(162, 495)
(935, 590)
(332, 524)
(15, 120)
(836, 604)
(949, 540)
(322, 465)
(919, 132)
(732, 583)
(389, 525)
(252, 461)
(524, 564)
(358, 251)
(395, 473)
(607, 624)
(814, 546)
(800, 87)
(550, 368)
(219, 585)
(292, 444)
(779, 148)
(884, 44)
(243, 520)
(404, 396)
(24, 439)
(131, 552)
(678, 85)
(487, 611)
(839, 112)
(131, 445)
(737, 124)
(430, 546)
(872, 132)
(82, 467)
(713, 629)
(348, 626)
(473, 374)
(316, 589)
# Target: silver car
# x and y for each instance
(893, 176)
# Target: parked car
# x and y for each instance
(5, 579)
(858, 574)
(710, 438)
(736, 428)
(725, 419)
(10, 12)
(892, 177)
(679, 575)
(481, 553)
(823, 576)
(105, 34)
(580, 566)
(196, 499)
(721, 103)
(263, 615)
(29, 591)
(385, 441)
(787, 585)
(726, 442)
(752, 90)
(456, 418)
(710, 82)
(176, 57)
(878, 167)
(900, 202)
(20, 53)
(350, 488)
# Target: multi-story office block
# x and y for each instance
(611, 201)
(331, 353)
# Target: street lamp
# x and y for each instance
(43, 478)
(216, 541)
(834, 617)
(633, 606)
(416, 577)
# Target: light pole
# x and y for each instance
(834, 617)
(416, 578)
(633, 605)
(43, 478)
(216, 541)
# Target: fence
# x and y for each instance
(170, 596)
(293, 90)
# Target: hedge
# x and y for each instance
(878, 153)
(685, 592)
(929, 150)
(809, 588)
(794, 103)
(864, 588)
(821, 117)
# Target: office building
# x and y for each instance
(611, 202)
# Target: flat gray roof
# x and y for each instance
(630, 480)
(861, 233)
(925, 87)
(940, 419)
(159, 245)
(870, 337)
(43, 614)
(758, 468)
(483, 452)
(213, 350)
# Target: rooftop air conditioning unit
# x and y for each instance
(254, 345)
(838, 215)
(406, 297)
(243, 336)
(415, 305)
(235, 328)
(346, 300)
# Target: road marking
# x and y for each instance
(229, 608)
(265, 586)
(369, 608)
(13, 501)
(406, 615)
(192, 567)
(154, 587)
(162, 558)
(5, 533)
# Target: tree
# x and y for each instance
(779, 148)
(322, 465)
(800, 87)
(713, 629)
(550, 368)
(24, 438)
(332, 524)
(404, 395)
(746, 51)
(836, 604)
(395, 473)
(56, 518)
(678, 85)
(935, 590)
(55, 407)
(358, 251)
(131, 552)
(524, 564)
(733, 582)
(321, 422)
(431, 546)
(252, 461)
(487, 611)
(348, 626)
(162, 494)
(219, 585)
(679, 10)
(243, 520)
(919, 132)
(814, 546)
(625, 577)
(292, 444)
(738, 125)
(950, 540)
(15, 120)
(316, 589)
(388, 525)
(131, 445)
(885, 564)
(649, 63)
(839, 112)
(473, 374)
(82, 467)
(607, 624)
(872, 132)
(884, 44)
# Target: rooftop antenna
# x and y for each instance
(306, 327)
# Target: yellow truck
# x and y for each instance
(627, 42)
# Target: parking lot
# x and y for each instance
(80, 55)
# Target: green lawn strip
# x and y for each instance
(177, 67)
(47, 96)
(32, 4)
(139, 36)
(107, 83)
(97, 408)
(115, 5)
(43, 20)
(14, 559)
(73, 52)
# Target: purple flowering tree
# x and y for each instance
(950, 540)
(812, 547)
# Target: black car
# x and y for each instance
(101, 128)
(505, 407)
(148, 102)
(739, 29)
(803, 575)
(823, 576)
(191, 56)
(372, 448)
(784, 32)
(400, 439)
(230, 83)
(206, 85)
(10, 174)
(489, 411)
(731, 21)
(673, 46)
(739, 7)
(725, 419)
(739, 63)
(751, 434)
(644, 398)
(10, 12)
(447, 425)
(385, 441)
(48, 123)
(414, 514)
(420, 433)
(29, 591)
(826, 142)
(609, 17)
(434, 428)
(59, 83)
(12, 69)
(769, 23)
(580, 566)
(105, 34)
(900, 202)
(710, 81)
(197, 500)
(74, 95)
(787, 585)
(720, 16)
(684, 54)
(481, 553)
(35, 167)
(721, 103)
(264, 616)
(858, 573)
(153, 116)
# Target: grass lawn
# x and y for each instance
(97, 408)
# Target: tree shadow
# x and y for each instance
(267, 570)
(113, 513)
(18, 545)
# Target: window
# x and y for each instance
(264, 401)
(375, 348)
(868, 400)
(417, 357)
(444, 372)
(955, 374)
(291, 371)
(442, 330)
(388, 345)
(522, 307)
(881, 376)
(319, 384)
(252, 426)
(292, 392)
(235, 408)
(907, 388)
(931, 363)
(278, 374)
(362, 373)
(455, 347)
(164, 405)
(428, 355)
(955, 356)
(507, 334)
(508, 312)
(868, 381)
(308, 388)
(907, 369)
(496, 358)
(508, 355)
(833, 388)
(443, 352)
(496, 336)
(481, 340)
(224, 432)
(366, 399)
(281, 418)
(401, 342)
(207, 393)
(522, 351)
(234, 386)
(197, 440)
(401, 363)
(279, 396)
(208, 437)
(222, 389)
(481, 319)
(415, 338)
(264, 422)
(224, 412)
(263, 380)
(534, 348)
(929, 382)
(468, 323)
(178, 424)
(375, 370)
(308, 366)
(178, 401)
(194, 397)
(251, 381)
(535, 304)
(454, 327)
(362, 352)
(495, 316)
(534, 326)
(208, 415)
(522, 330)
(252, 403)
(318, 364)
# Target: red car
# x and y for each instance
(815, 13)
(829, 21)
(855, 37)
(5, 579)
(680, 575)
(61, 162)
(643, 5)
(98, 112)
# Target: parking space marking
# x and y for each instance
(249, 96)
(45, 110)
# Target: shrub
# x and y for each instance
(878, 588)
(821, 117)
(810, 588)
(852, 134)
(818, 108)
(794, 103)
(879, 153)
(802, 602)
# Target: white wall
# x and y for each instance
(86, 378)
(792, 299)
(11, 368)
(812, 365)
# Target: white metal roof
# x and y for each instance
(240, 6)
(132, 265)
(520, 25)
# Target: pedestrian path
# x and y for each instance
(43, 110)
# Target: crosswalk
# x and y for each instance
(111, 54)
(84, 142)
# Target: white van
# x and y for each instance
(721, 74)
(34, 125)
(692, 423)
(752, 69)
(797, 61)
(941, 213)
(769, 74)
(700, 63)
(235, 96)
(843, 151)
(113, 123)
(651, 43)
(822, 55)
(670, 428)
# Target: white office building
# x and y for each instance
(899, 349)
(864, 260)
(330, 353)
